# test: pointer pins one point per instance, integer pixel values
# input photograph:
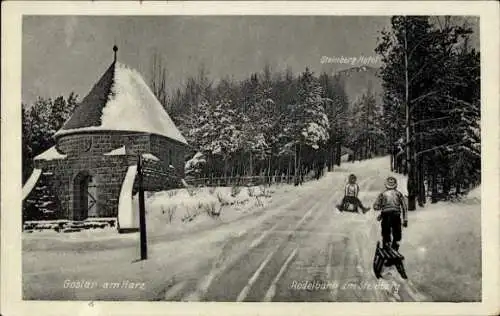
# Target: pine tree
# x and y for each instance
(307, 124)
(42, 203)
(27, 148)
(214, 132)
(39, 123)
(336, 106)
(365, 128)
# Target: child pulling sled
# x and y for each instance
(392, 206)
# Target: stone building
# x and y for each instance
(92, 167)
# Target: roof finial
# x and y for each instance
(115, 49)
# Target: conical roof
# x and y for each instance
(121, 101)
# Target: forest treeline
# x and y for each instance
(273, 123)
(432, 108)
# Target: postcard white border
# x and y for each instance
(12, 13)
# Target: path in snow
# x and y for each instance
(299, 238)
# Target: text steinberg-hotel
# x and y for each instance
(350, 60)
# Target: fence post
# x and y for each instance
(142, 211)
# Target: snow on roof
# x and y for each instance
(121, 151)
(50, 154)
(116, 152)
(126, 104)
(150, 157)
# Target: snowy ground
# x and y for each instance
(170, 214)
(262, 253)
(185, 210)
(443, 247)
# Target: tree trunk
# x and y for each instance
(300, 164)
(269, 169)
(289, 170)
(295, 163)
(279, 167)
(367, 147)
(393, 160)
(446, 185)
(244, 169)
(329, 158)
(250, 165)
(421, 182)
(332, 157)
(338, 153)
(409, 158)
(224, 171)
(434, 189)
(458, 187)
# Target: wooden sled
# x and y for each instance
(348, 207)
(388, 257)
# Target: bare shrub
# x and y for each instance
(192, 191)
(221, 199)
(235, 190)
(266, 191)
(259, 202)
(211, 190)
(188, 217)
(263, 189)
(212, 210)
(169, 212)
(172, 193)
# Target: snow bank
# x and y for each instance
(116, 152)
(90, 239)
(197, 159)
(67, 226)
(443, 249)
(474, 193)
(30, 184)
(50, 154)
(184, 209)
(127, 215)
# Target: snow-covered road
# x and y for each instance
(298, 248)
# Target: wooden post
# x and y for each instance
(142, 211)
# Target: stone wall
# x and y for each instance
(170, 152)
(108, 172)
(101, 143)
(85, 156)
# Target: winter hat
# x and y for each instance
(391, 183)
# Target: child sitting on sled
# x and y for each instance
(351, 195)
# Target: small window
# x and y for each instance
(86, 144)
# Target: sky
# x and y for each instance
(63, 54)
(69, 53)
